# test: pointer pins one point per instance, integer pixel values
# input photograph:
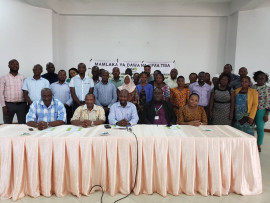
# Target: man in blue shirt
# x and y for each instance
(105, 93)
(46, 112)
(123, 113)
(32, 86)
(50, 75)
(80, 85)
(61, 91)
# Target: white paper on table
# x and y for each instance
(118, 127)
(50, 129)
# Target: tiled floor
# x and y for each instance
(232, 198)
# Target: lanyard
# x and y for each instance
(157, 110)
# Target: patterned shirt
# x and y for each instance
(105, 94)
(82, 113)
(204, 92)
(264, 96)
(118, 83)
(11, 88)
(40, 112)
(179, 98)
(61, 92)
(148, 91)
(34, 87)
(118, 113)
(82, 87)
(165, 92)
(184, 115)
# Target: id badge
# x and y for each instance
(156, 117)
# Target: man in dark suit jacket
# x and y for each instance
(158, 111)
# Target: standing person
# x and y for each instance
(191, 113)
(158, 111)
(159, 83)
(262, 114)
(105, 93)
(202, 89)
(133, 95)
(61, 91)
(46, 112)
(80, 85)
(95, 74)
(156, 72)
(32, 86)
(243, 72)
(215, 80)
(50, 75)
(88, 114)
(180, 94)
(128, 71)
(11, 94)
(117, 81)
(228, 70)
(246, 103)
(147, 69)
(208, 79)
(145, 91)
(123, 113)
(172, 80)
(136, 78)
(222, 102)
(192, 78)
(71, 73)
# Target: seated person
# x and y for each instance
(158, 111)
(46, 112)
(123, 113)
(88, 114)
(192, 114)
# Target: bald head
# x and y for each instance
(123, 97)
(46, 95)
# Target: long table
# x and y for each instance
(209, 160)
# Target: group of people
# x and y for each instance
(53, 99)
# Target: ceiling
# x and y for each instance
(147, 7)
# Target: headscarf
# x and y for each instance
(130, 87)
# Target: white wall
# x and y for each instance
(195, 43)
(253, 41)
(26, 35)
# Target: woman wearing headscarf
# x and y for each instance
(128, 85)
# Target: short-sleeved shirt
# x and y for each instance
(40, 112)
(11, 88)
(264, 96)
(204, 92)
(179, 98)
(82, 113)
(82, 87)
(34, 87)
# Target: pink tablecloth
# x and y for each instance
(213, 161)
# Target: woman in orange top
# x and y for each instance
(192, 114)
(180, 94)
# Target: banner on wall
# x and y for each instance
(135, 66)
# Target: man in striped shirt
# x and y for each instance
(11, 94)
(46, 112)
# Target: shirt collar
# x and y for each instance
(60, 84)
(119, 105)
(38, 79)
(94, 108)
(42, 103)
